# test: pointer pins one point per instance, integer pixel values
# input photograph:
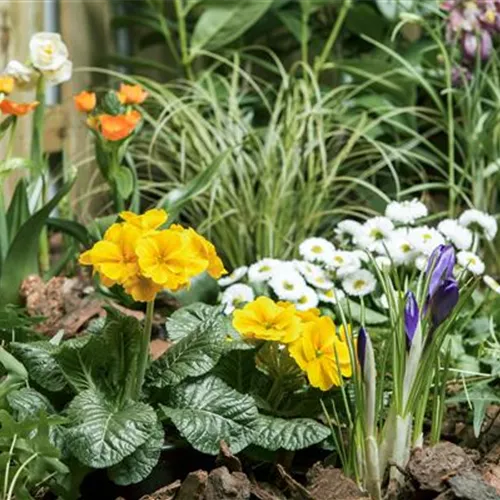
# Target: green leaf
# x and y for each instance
(138, 465)
(187, 319)
(207, 411)
(22, 257)
(363, 19)
(71, 228)
(12, 365)
(174, 201)
(124, 182)
(111, 104)
(203, 288)
(223, 23)
(39, 360)
(104, 432)
(237, 369)
(27, 402)
(288, 434)
(18, 212)
(292, 21)
(193, 355)
(371, 317)
(12, 164)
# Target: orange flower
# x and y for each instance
(8, 107)
(85, 101)
(131, 94)
(93, 122)
(6, 84)
(133, 117)
(116, 128)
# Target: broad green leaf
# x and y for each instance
(27, 402)
(237, 368)
(193, 355)
(18, 211)
(71, 228)
(124, 182)
(104, 432)
(22, 257)
(292, 21)
(138, 465)
(363, 18)
(371, 317)
(288, 434)
(223, 23)
(174, 201)
(187, 319)
(12, 365)
(207, 411)
(39, 360)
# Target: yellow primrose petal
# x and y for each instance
(323, 373)
(141, 289)
(149, 221)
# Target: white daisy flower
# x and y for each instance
(361, 255)
(320, 281)
(475, 218)
(493, 284)
(235, 276)
(236, 295)
(400, 248)
(307, 300)
(471, 262)
(316, 249)
(360, 283)
(262, 270)
(373, 232)
(425, 239)
(406, 212)
(306, 268)
(287, 285)
(331, 296)
(342, 259)
(421, 262)
(456, 234)
(383, 262)
(347, 228)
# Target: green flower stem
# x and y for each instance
(118, 201)
(143, 356)
(186, 57)
(4, 233)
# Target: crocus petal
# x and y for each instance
(470, 45)
(441, 264)
(362, 346)
(444, 301)
(486, 45)
(411, 317)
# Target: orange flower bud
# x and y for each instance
(131, 94)
(6, 84)
(85, 101)
(8, 107)
(116, 128)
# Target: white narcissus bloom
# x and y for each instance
(307, 300)
(359, 283)
(234, 277)
(235, 296)
(406, 212)
(316, 249)
(60, 75)
(262, 270)
(475, 218)
(47, 51)
(471, 262)
(331, 296)
(456, 234)
(287, 285)
(23, 75)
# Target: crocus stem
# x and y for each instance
(143, 356)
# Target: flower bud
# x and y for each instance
(411, 317)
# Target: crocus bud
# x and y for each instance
(411, 317)
(362, 339)
(443, 301)
(441, 264)
(486, 46)
(470, 45)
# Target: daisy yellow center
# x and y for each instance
(288, 286)
(471, 260)
(376, 233)
(427, 236)
(316, 249)
(320, 280)
(359, 284)
(339, 259)
(405, 248)
(302, 300)
(330, 294)
(264, 269)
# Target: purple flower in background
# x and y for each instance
(362, 339)
(411, 317)
(440, 266)
(443, 301)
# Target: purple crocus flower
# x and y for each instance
(441, 264)
(443, 301)
(411, 317)
(470, 45)
(362, 339)
(486, 46)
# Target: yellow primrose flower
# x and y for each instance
(149, 221)
(141, 289)
(169, 259)
(317, 351)
(114, 257)
(206, 250)
(264, 319)
(6, 84)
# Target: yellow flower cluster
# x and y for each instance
(312, 339)
(144, 259)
